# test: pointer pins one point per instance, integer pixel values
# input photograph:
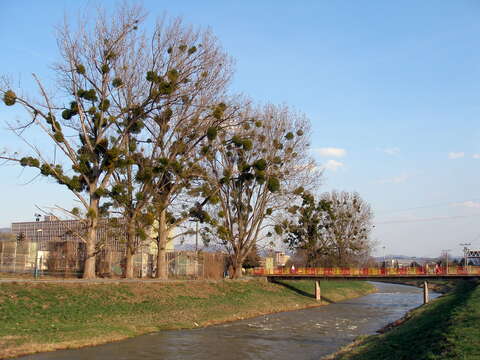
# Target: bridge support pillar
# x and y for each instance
(318, 295)
(425, 292)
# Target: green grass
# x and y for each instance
(40, 316)
(447, 328)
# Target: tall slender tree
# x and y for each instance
(251, 175)
(190, 114)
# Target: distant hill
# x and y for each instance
(4, 230)
(201, 247)
(404, 257)
(409, 259)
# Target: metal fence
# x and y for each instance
(67, 258)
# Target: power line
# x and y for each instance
(427, 206)
(438, 218)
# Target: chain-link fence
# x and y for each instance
(67, 258)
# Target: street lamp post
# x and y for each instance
(37, 233)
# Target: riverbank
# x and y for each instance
(439, 286)
(447, 328)
(38, 317)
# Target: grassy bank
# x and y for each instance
(44, 316)
(439, 286)
(447, 328)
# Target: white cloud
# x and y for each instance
(456, 155)
(331, 151)
(394, 180)
(309, 167)
(391, 151)
(468, 204)
(476, 156)
(332, 165)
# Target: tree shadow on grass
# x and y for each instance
(294, 289)
(300, 291)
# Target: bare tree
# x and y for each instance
(349, 225)
(193, 113)
(333, 231)
(251, 175)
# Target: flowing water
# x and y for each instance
(301, 334)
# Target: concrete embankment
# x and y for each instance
(38, 317)
(447, 328)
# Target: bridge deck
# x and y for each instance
(416, 273)
(368, 277)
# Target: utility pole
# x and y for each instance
(445, 252)
(465, 251)
(384, 261)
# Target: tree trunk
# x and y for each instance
(129, 265)
(91, 241)
(237, 263)
(162, 270)
(130, 250)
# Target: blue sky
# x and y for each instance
(391, 89)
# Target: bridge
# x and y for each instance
(372, 274)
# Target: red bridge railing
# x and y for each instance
(361, 272)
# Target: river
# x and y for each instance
(301, 334)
